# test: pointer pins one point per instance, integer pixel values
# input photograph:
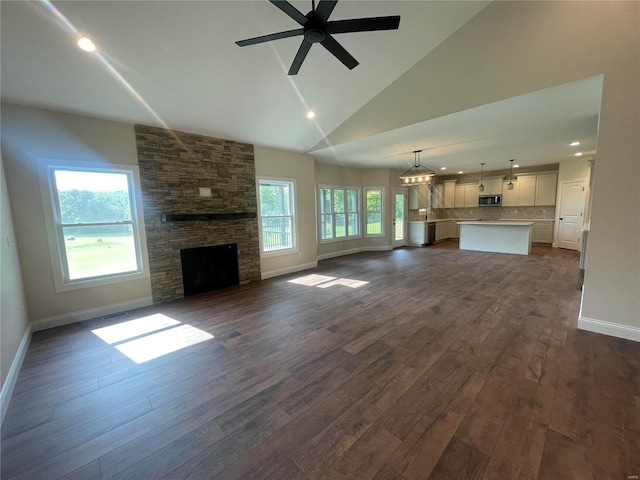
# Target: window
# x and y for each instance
(92, 225)
(339, 213)
(277, 220)
(375, 202)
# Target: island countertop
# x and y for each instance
(501, 223)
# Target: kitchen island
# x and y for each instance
(497, 237)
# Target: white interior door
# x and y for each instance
(572, 200)
(399, 223)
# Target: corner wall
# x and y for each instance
(29, 134)
(353, 177)
(298, 167)
(14, 324)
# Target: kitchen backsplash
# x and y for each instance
(495, 213)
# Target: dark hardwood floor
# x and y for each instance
(447, 364)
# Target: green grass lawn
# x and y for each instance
(87, 257)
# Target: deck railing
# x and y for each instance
(276, 238)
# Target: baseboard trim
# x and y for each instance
(608, 328)
(12, 376)
(82, 315)
(325, 256)
(341, 253)
(382, 248)
(285, 271)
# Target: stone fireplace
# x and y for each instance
(197, 192)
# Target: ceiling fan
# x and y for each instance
(317, 29)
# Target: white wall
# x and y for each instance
(573, 170)
(337, 175)
(299, 167)
(13, 318)
(29, 134)
(513, 48)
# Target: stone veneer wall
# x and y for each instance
(173, 166)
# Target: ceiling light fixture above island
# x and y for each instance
(417, 174)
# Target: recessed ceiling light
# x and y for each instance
(443, 168)
(460, 172)
(311, 114)
(86, 44)
(577, 154)
(516, 166)
(574, 144)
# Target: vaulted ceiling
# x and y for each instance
(176, 64)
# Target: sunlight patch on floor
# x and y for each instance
(324, 281)
(346, 282)
(134, 328)
(158, 344)
(311, 280)
(157, 335)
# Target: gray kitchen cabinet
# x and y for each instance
(526, 190)
(546, 186)
(471, 194)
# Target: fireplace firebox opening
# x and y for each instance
(209, 268)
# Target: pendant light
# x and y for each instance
(481, 187)
(417, 175)
(510, 184)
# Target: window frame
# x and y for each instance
(54, 226)
(366, 212)
(358, 212)
(294, 217)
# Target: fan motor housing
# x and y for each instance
(313, 35)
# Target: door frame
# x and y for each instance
(403, 242)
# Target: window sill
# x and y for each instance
(340, 239)
(278, 253)
(61, 286)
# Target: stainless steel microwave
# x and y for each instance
(490, 200)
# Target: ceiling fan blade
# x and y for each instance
(339, 52)
(364, 24)
(300, 56)
(268, 38)
(290, 10)
(325, 7)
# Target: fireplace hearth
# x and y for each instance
(209, 268)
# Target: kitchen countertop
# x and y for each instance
(499, 221)
(430, 221)
(437, 220)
